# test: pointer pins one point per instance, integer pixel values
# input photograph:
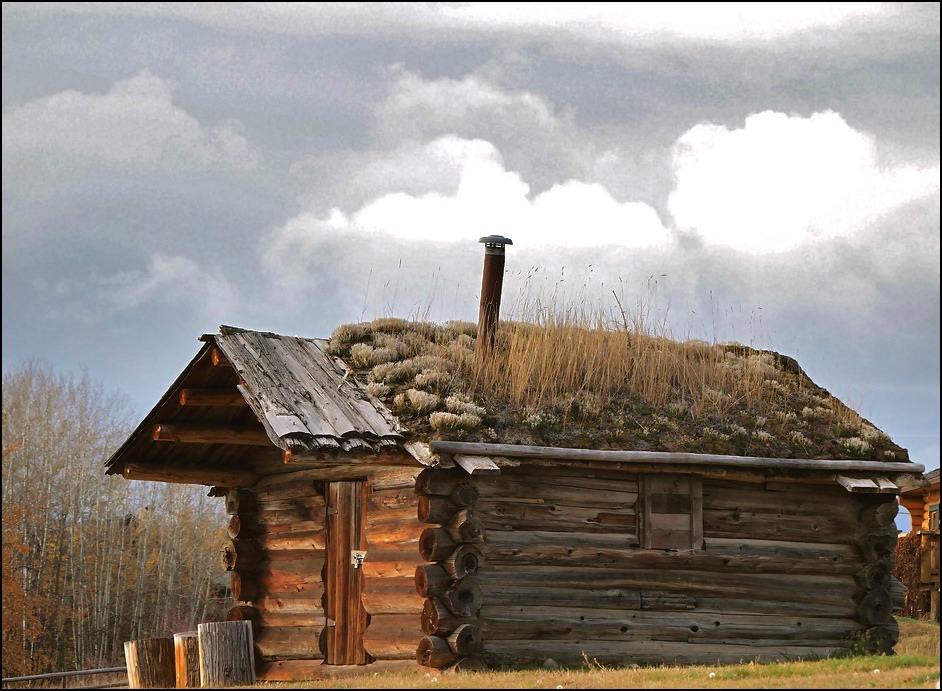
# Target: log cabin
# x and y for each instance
(921, 500)
(465, 496)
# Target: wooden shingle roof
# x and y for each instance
(250, 393)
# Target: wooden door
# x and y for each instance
(343, 587)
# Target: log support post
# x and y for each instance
(150, 663)
(227, 655)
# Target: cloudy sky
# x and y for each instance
(766, 173)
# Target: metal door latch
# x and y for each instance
(357, 557)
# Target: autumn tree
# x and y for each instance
(91, 560)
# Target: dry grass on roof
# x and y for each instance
(585, 383)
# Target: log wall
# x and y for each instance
(276, 555)
(778, 571)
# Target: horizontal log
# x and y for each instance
(670, 459)
(282, 524)
(290, 605)
(463, 598)
(437, 620)
(530, 540)
(217, 434)
(880, 515)
(621, 653)
(244, 588)
(279, 619)
(382, 570)
(572, 622)
(288, 488)
(266, 619)
(288, 643)
(465, 527)
(466, 640)
(843, 607)
(454, 485)
(606, 493)
(431, 580)
(274, 580)
(242, 555)
(394, 531)
(435, 509)
(880, 640)
(585, 581)
(436, 544)
(189, 476)
(434, 652)
(247, 588)
(392, 636)
(507, 514)
(394, 477)
(244, 526)
(391, 499)
(310, 501)
(876, 608)
(401, 599)
(464, 561)
(300, 541)
(241, 501)
(762, 526)
(212, 397)
(824, 552)
(392, 517)
(575, 552)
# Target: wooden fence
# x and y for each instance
(65, 676)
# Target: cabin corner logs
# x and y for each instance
(561, 562)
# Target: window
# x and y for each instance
(671, 512)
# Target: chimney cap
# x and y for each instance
(492, 240)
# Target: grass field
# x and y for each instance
(915, 666)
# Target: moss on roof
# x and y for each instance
(592, 386)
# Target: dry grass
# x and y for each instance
(573, 378)
(915, 666)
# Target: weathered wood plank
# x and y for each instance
(477, 465)
(221, 477)
(563, 623)
(587, 581)
(288, 643)
(393, 636)
(668, 458)
(510, 515)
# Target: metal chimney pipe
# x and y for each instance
(491, 283)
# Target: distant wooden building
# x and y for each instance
(921, 500)
(354, 542)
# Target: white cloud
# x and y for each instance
(719, 21)
(783, 181)
(535, 139)
(730, 22)
(489, 199)
(135, 122)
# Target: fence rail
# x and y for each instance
(77, 673)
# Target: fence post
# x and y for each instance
(186, 651)
(227, 656)
(150, 663)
